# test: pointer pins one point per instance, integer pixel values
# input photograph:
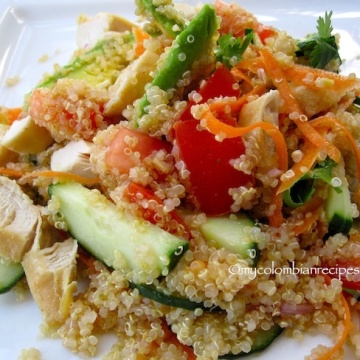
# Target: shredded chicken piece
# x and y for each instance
(19, 220)
(51, 275)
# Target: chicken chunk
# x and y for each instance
(51, 275)
(266, 109)
(74, 158)
(6, 155)
(25, 136)
(19, 220)
(92, 29)
(130, 85)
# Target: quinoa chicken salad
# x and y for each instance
(189, 182)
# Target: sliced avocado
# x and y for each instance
(99, 65)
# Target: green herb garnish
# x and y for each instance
(321, 48)
(231, 49)
(303, 189)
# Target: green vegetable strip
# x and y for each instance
(168, 25)
(188, 47)
(81, 65)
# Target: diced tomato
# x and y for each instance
(56, 110)
(264, 32)
(220, 83)
(208, 161)
(120, 154)
(235, 20)
(171, 338)
(344, 270)
(137, 193)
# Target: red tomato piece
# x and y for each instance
(350, 267)
(220, 83)
(136, 193)
(120, 154)
(208, 161)
(264, 32)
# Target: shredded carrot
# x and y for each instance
(236, 105)
(301, 75)
(217, 127)
(309, 158)
(240, 76)
(251, 64)
(64, 175)
(276, 218)
(278, 77)
(11, 172)
(140, 37)
(331, 122)
(50, 174)
(347, 325)
(313, 207)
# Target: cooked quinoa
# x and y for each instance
(291, 127)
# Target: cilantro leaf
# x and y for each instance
(322, 54)
(321, 48)
(324, 26)
(303, 189)
(230, 49)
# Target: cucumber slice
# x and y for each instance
(234, 234)
(116, 239)
(153, 293)
(263, 338)
(354, 293)
(338, 207)
(10, 274)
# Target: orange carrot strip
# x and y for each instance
(311, 153)
(217, 127)
(140, 37)
(236, 105)
(251, 64)
(50, 174)
(330, 122)
(240, 76)
(300, 75)
(275, 72)
(347, 325)
(11, 172)
(276, 218)
(64, 175)
(312, 207)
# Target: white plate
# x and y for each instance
(33, 28)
